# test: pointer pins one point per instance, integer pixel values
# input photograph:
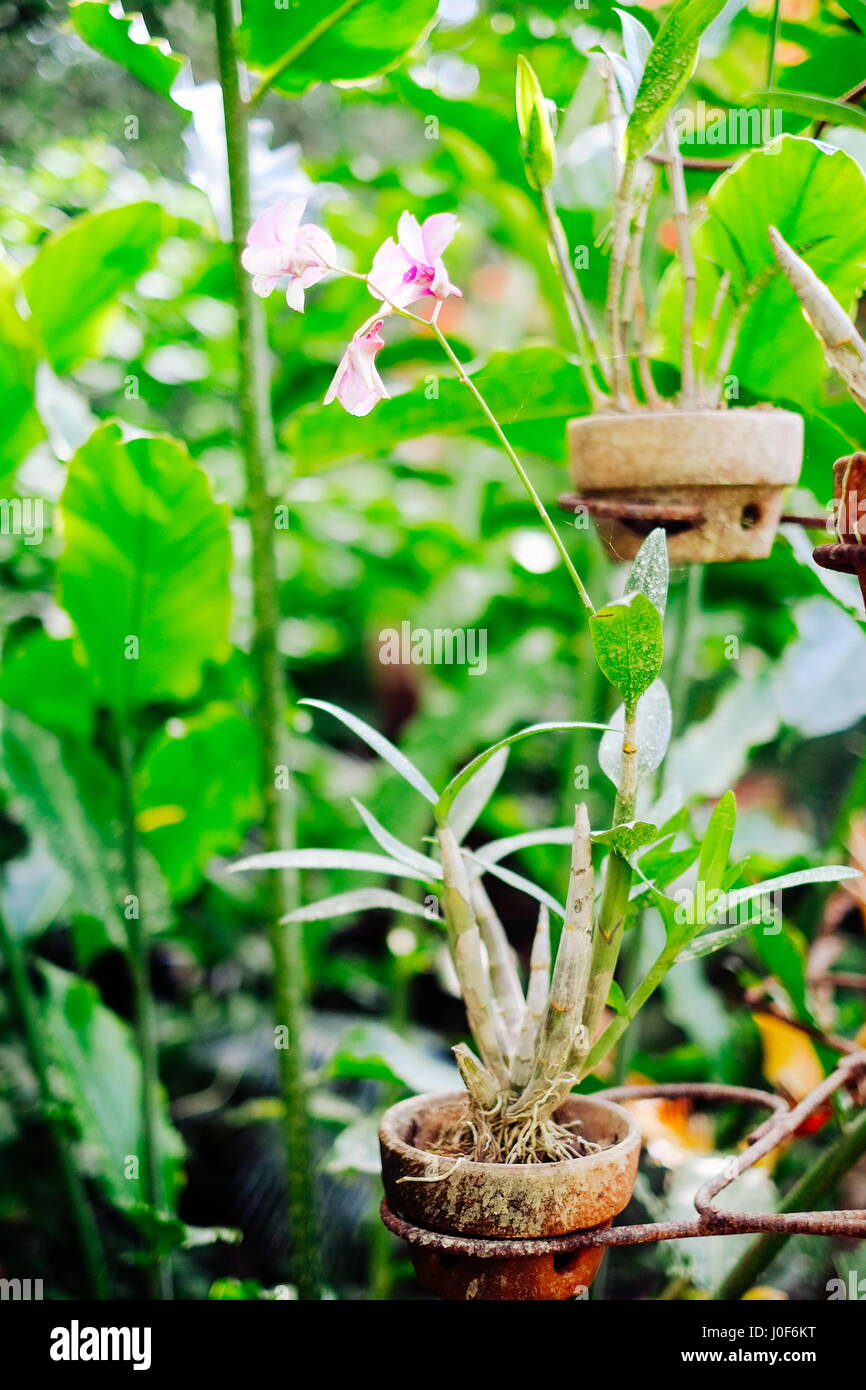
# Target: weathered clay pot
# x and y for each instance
(507, 1201)
(731, 464)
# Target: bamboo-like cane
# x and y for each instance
(465, 941)
(844, 349)
(507, 992)
(482, 1087)
(537, 992)
(561, 1025)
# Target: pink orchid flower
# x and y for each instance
(357, 384)
(278, 245)
(411, 267)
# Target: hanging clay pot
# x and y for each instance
(730, 467)
(506, 1201)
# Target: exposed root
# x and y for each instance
(513, 1133)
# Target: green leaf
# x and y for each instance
(446, 800)
(145, 566)
(421, 863)
(667, 71)
(196, 793)
(629, 645)
(649, 572)
(828, 873)
(533, 120)
(43, 679)
(74, 282)
(626, 837)
(52, 807)
(19, 354)
(375, 1052)
(495, 850)
(124, 39)
(616, 1000)
(716, 844)
(714, 941)
(326, 859)
(857, 10)
(308, 41)
(816, 108)
(380, 745)
(533, 386)
(471, 800)
(164, 1233)
(95, 1058)
(653, 735)
(358, 900)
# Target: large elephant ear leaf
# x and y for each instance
(144, 572)
(124, 38)
(298, 44)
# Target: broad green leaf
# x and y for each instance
(616, 1000)
(373, 1051)
(19, 354)
(164, 1233)
(470, 802)
(144, 569)
(650, 571)
(125, 40)
(857, 10)
(637, 41)
(716, 844)
(785, 955)
(380, 745)
(94, 1056)
(653, 735)
(358, 900)
(796, 185)
(534, 386)
(43, 679)
(307, 41)
(326, 859)
(51, 805)
(629, 645)
(197, 793)
(74, 282)
(816, 108)
(421, 863)
(446, 800)
(627, 837)
(667, 71)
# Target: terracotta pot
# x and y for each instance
(732, 464)
(507, 1201)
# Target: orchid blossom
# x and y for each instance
(279, 245)
(411, 267)
(357, 384)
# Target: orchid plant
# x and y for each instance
(534, 1044)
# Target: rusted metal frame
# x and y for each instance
(681, 513)
(711, 1221)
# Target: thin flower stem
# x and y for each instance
(775, 32)
(633, 300)
(585, 335)
(278, 832)
(90, 1244)
(618, 257)
(467, 381)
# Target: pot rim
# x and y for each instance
(390, 1136)
(645, 412)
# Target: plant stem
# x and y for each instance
(83, 1219)
(687, 261)
(618, 255)
(145, 1015)
(634, 308)
(515, 461)
(823, 1175)
(286, 942)
(607, 935)
(680, 674)
(617, 1026)
(584, 330)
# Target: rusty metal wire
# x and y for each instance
(711, 1220)
(842, 557)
